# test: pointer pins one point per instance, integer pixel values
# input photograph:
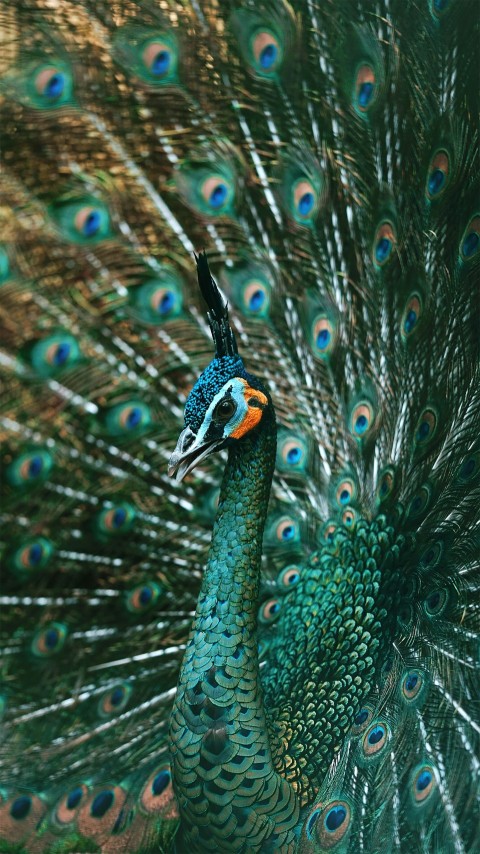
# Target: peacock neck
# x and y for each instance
(219, 742)
(233, 567)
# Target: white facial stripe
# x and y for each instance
(237, 389)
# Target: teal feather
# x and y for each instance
(304, 678)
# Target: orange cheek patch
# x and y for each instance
(256, 403)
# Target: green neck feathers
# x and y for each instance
(220, 749)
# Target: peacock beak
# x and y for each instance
(189, 451)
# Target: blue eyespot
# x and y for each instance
(21, 807)
(361, 424)
(410, 320)
(117, 695)
(306, 203)
(294, 455)
(269, 611)
(423, 780)
(74, 797)
(92, 223)
(55, 86)
(365, 89)
(470, 244)
(383, 243)
(436, 182)
(375, 740)
(35, 466)
(102, 803)
(266, 52)
(323, 338)
(424, 784)
(218, 196)
(146, 595)
(160, 782)
(161, 63)
(312, 822)
(376, 735)
(361, 717)
(411, 681)
(365, 93)
(268, 56)
(335, 817)
(383, 249)
(119, 517)
(257, 300)
(166, 303)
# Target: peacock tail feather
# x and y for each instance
(325, 155)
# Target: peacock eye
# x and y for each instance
(224, 410)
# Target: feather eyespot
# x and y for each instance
(346, 492)
(29, 468)
(143, 597)
(438, 175)
(90, 221)
(470, 243)
(270, 611)
(34, 555)
(53, 83)
(58, 354)
(328, 531)
(420, 502)
(291, 453)
(157, 794)
(323, 336)
(432, 555)
(383, 244)
(50, 640)
(362, 719)
(329, 823)
(256, 297)
(365, 88)
(156, 301)
(439, 7)
(349, 518)
(21, 807)
(362, 419)
(386, 484)
(217, 193)
(469, 469)
(102, 803)
(423, 784)
(114, 700)
(127, 418)
(289, 577)
(375, 738)
(304, 200)
(160, 59)
(411, 685)
(426, 427)
(267, 52)
(411, 316)
(116, 520)
(55, 353)
(66, 810)
(84, 221)
(435, 603)
(162, 301)
(286, 530)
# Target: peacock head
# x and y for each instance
(226, 403)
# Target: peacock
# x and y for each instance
(240, 426)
